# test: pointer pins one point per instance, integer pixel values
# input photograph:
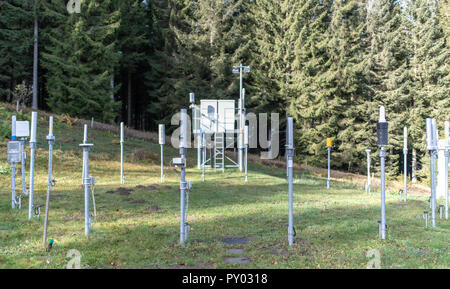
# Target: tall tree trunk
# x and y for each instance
(129, 100)
(35, 61)
(111, 84)
(414, 166)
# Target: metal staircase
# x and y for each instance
(219, 151)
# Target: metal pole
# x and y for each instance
(85, 134)
(446, 181)
(13, 165)
(22, 144)
(289, 156)
(328, 179)
(368, 172)
(405, 162)
(446, 153)
(13, 185)
(122, 178)
(86, 181)
(382, 135)
(162, 141)
(246, 142)
(433, 155)
(32, 153)
(162, 163)
(240, 119)
(195, 128)
(183, 184)
(383, 193)
(86, 190)
(199, 150)
(204, 155)
(50, 139)
(432, 148)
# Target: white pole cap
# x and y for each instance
(405, 138)
(382, 114)
(33, 126)
(162, 134)
(50, 126)
(85, 133)
(121, 132)
(13, 128)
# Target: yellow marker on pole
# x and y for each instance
(329, 144)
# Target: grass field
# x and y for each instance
(139, 227)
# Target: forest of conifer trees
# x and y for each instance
(328, 63)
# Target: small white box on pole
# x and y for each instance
(162, 134)
(22, 128)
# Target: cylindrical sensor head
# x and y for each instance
(13, 128)
(435, 132)
(290, 133)
(85, 133)
(162, 134)
(50, 126)
(382, 117)
(191, 97)
(382, 128)
(246, 131)
(429, 134)
(183, 128)
(121, 132)
(329, 142)
(33, 126)
(382, 133)
(405, 138)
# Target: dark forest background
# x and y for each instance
(330, 64)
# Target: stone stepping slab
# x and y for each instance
(233, 241)
(237, 260)
(236, 251)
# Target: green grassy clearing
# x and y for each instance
(130, 233)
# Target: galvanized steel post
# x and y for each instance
(32, 154)
(183, 183)
(51, 139)
(446, 153)
(289, 162)
(382, 135)
(162, 141)
(122, 178)
(432, 148)
(405, 162)
(86, 181)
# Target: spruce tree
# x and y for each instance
(80, 59)
(16, 42)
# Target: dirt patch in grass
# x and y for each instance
(198, 265)
(124, 191)
(153, 208)
(147, 188)
(121, 191)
